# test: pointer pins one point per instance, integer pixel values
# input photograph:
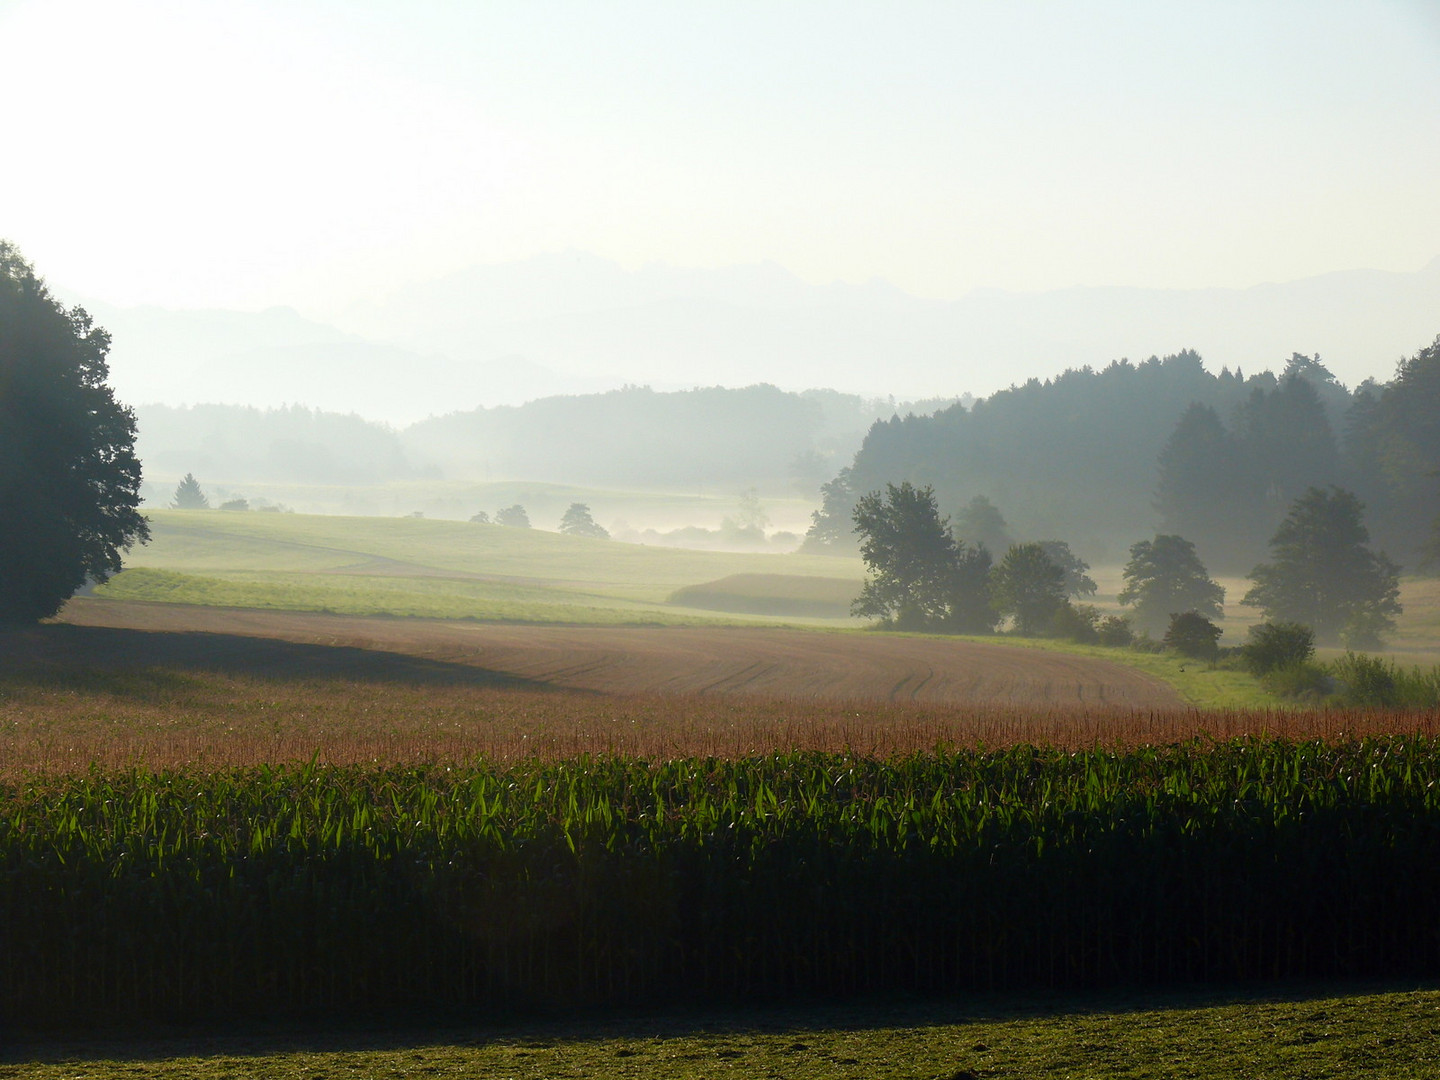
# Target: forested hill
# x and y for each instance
(1104, 458)
(638, 436)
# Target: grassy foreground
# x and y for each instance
(1296, 1032)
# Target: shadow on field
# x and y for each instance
(60, 652)
(459, 1028)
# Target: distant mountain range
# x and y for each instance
(573, 323)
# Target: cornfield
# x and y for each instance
(279, 889)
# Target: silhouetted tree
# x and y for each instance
(1028, 586)
(910, 553)
(1393, 445)
(480, 517)
(1286, 446)
(188, 495)
(1078, 583)
(1165, 577)
(1191, 634)
(578, 522)
(69, 477)
(1201, 490)
(1323, 574)
(967, 600)
(513, 516)
(832, 527)
(981, 524)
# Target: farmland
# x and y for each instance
(248, 812)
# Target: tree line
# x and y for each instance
(1322, 575)
(1164, 445)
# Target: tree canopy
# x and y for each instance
(1323, 575)
(1165, 577)
(1029, 586)
(921, 577)
(513, 516)
(69, 477)
(578, 522)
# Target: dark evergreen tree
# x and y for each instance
(1324, 576)
(1165, 577)
(1286, 446)
(1199, 471)
(188, 495)
(1393, 442)
(69, 477)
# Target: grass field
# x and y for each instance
(1284, 1034)
(441, 569)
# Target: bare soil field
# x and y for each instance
(768, 662)
(161, 686)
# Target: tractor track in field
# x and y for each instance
(758, 661)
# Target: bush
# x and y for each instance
(1365, 680)
(1305, 681)
(1192, 634)
(1078, 622)
(1144, 643)
(1277, 644)
(1114, 630)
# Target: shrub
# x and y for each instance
(1277, 644)
(1078, 622)
(1192, 634)
(1144, 643)
(1114, 630)
(1304, 681)
(1365, 680)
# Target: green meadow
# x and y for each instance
(451, 569)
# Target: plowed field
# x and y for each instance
(728, 660)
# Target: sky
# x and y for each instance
(320, 154)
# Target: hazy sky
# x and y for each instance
(314, 153)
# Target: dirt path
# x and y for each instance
(723, 660)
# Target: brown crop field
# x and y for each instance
(206, 687)
(764, 661)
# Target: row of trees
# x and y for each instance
(1322, 575)
(577, 520)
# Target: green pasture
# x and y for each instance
(442, 569)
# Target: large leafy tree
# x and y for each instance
(921, 577)
(910, 553)
(69, 477)
(1029, 586)
(1165, 577)
(1324, 576)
